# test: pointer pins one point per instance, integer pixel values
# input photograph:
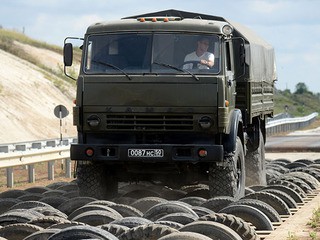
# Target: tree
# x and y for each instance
(301, 88)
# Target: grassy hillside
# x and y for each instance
(32, 84)
(298, 104)
(8, 40)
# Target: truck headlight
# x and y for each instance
(205, 122)
(93, 121)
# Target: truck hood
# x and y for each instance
(149, 94)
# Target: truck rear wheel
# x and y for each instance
(255, 165)
(229, 179)
(95, 180)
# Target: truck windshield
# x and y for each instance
(160, 53)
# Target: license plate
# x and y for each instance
(145, 152)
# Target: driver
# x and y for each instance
(201, 57)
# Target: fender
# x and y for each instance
(235, 124)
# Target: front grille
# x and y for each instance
(141, 122)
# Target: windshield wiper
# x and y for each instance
(114, 67)
(176, 68)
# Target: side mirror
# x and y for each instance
(68, 54)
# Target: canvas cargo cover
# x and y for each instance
(260, 55)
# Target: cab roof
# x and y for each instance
(178, 13)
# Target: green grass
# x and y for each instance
(297, 104)
(8, 36)
(314, 223)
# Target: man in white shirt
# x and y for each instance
(200, 57)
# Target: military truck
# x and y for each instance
(146, 112)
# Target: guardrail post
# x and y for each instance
(21, 147)
(68, 167)
(10, 177)
(4, 149)
(36, 145)
(31, 173)
(51, 170)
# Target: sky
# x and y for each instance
(292, 27)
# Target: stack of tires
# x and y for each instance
(149, 211)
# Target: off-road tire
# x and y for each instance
(237, 224)
(229, 180)
(214, 230)
(95, 180)
(148, 231)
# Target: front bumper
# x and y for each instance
(169, 153)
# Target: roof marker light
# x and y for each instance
(227, 30)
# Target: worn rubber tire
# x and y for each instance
(29, 205)
(126, 210)
(15, 217)
(291, 203)
(296, 197)
(310, 180)
(250, 214)
(182, 218)
(217, 203)
(48, 221)
(96, 217)
(214, 230)
(82, 232)
(314, 172)
(201, 211)
(13, 193)
(203, 192)
(185, 236)
(144, 204)
(43, 234)
(37, 189)
(171, 224)
(90, 207)
(302, 184)
(147, 232)
(163, 209)
(269, 211)
(291, 184)
(277, 203)
(6, 203)
(131, 222)
(237, 224)
(74, 203)
(53, 201)
(193, 201)
(114, 229)
(18, 231)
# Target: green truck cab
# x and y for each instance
(146, 112)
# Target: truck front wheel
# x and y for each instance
(95, 180)
(228, 179)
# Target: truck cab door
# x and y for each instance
(229, 72)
